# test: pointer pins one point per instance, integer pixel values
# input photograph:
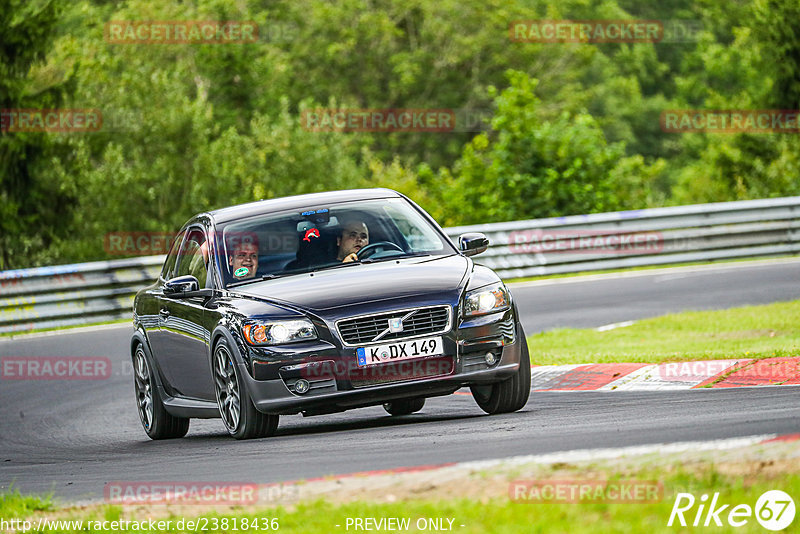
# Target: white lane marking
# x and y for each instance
(612, 326)
(76, 330)
(641, 375)
(653, 272)
(670, 376)
(582, 455)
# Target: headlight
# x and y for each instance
(485, 300)
(279, 332)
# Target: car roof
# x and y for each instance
(312, 200)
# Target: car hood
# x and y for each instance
(343, 288)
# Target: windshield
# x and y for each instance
(325, 237)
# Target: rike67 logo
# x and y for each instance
(774, 510)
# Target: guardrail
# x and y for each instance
(83, 293)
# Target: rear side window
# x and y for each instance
(172, 256)
(193, 256)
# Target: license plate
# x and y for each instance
(403, 350)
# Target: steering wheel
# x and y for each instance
(373, 248)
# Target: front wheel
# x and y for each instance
(157, 422)
(404, 406)
(236, 407)
(511, 394)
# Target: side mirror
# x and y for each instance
(181, 284)
(473, 243)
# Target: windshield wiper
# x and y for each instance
(370, 260)
(256, 279)
(337, 265)
(389, 258)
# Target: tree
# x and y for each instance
(529, 167)
(775, 23)
(35, 207)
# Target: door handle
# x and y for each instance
(164, 313)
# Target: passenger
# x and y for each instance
(244, 260)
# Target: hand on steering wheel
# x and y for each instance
(372, 248)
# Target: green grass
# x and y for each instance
(15, 504)
(765, 331)
(498, 514)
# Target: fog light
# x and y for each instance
(301, 386)
(491, 359)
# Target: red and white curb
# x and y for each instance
(666, 376)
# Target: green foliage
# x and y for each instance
(574, 127)
(34, 207)
(278, 158)
(758, 70)
(530, 167)
(14, 504)
(775, 24)
(439, 54)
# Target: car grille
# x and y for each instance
(373, 328)
(402, 371)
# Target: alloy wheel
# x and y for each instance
(227, 387)
(144, 389)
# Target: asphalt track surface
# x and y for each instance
(73, 437)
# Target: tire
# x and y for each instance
(404, 406)
(511, 394)
(239, 415)
(156, 421)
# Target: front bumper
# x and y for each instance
(337, 384)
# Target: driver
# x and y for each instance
(244, 260)
(354, 237)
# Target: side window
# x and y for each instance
(172, 256)
(193, 257)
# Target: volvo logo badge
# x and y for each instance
(396, 324)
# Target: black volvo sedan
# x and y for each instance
(317, 304)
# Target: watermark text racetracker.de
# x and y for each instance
(575, 491)
(180, 492)
(198, 32)
(750, 372)
(196, 492)
(679, 371)
(605, 31)
(594, 241)
(54, 368)
(731, 120)
(586, 31)
(378, 120)
(50, 120)
(146, 243)
(384, 372)
(200, 524)
(138, 243)
(180, 32)
(388, 120)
